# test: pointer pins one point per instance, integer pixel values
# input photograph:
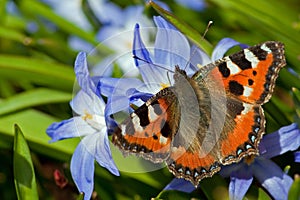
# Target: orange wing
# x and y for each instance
(250, 74)
(148, 132)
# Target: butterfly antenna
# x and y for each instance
(138, 58)
(168, 77)
(201, 39)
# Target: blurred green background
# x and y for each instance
(36, 84)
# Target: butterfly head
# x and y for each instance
(179, 73)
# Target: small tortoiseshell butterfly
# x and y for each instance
(211, 119)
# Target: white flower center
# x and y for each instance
(95, 121)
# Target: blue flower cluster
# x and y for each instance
(92, 120)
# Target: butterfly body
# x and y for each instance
(211, 119)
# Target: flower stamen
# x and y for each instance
(164, 85)
(87, 116)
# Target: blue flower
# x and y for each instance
(271, 177)
(171, 48)
(89, 124)
(72, 10)
(118, 37)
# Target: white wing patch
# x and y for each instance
(234, 69)
(136, 123)
(247, 91)
(251, 58)
(151, 114)
(265, 48)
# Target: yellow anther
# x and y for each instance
(87, 116)
(164, 85)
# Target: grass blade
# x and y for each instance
(24, 175)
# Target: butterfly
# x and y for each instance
(213, 118)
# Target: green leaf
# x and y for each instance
(11, 34)
(215, 187)
(24, 175)
(80, 196)
(191, 33)
(262, 195)
(296, 98)
(37, 71)
(294, 192)
(33, 98)
(39, 9)
(277, 114)
(3, 12)
(34, 124)
(172, 194)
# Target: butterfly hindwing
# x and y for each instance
(148, 132)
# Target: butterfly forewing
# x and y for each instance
(250, 74)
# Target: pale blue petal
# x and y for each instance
(118, 86)
(240, 182)
(86, 100)
(102, 151)
(108, 13)
(285, 139)
(272, 178)
(297, 156)
(74, 127)
(153, 76)
(114, 105)
(180, 184)
(107, 32)
(171, 46)
(197, 5)
(79, 44)
(82, 74)
(223, 46)
(135, 95)
(71, 10)
(197, 56)
(139, 50)
(133, 14)
(82, 170)
(83, 104)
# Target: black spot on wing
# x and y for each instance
(236, 88)
(224, 69)
(142, 113)
(165, 128)
(234, 107)
(250, 82)
(240, 60)
(259, 53)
